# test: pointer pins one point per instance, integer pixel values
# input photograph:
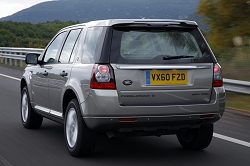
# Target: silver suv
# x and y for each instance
(125, 78)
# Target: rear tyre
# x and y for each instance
(80, 140)
(197, 139)
(30, 119)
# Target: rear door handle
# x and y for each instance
(63, 74)
(45, 73)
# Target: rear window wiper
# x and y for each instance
(176, 57)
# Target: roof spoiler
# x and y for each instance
(158, 24)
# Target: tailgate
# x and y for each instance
(153, 85)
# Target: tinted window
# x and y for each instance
(74, 51)
(53, 49)
(158, 45)
(69, 45)
(90, 44)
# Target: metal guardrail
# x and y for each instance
(8, 54)
(237, 86)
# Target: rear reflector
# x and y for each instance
(206, 116)
(127, 119)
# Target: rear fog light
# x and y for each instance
(127, 119)
(206, 116)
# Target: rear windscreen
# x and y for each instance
(149, 45)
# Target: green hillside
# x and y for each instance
(86, 10)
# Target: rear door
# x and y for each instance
(161, 66)
(60, 73)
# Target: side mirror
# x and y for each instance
(31, 58)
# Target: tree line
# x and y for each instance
(228, 20)
(25, 34)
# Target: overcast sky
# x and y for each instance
(9, 7)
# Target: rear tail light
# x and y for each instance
(218, 81)
(102, 77)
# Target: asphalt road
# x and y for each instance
(46, 146)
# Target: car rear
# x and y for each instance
(159, 74)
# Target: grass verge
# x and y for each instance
(238, 101)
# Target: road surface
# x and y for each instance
(46, 146)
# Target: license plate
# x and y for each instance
(158, 77)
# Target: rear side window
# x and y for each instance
(90, 44)
(158, 45)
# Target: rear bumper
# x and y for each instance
(171, 123)
(101, 111)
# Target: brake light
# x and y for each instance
(102, 77)
(103, 69)
(218, 81)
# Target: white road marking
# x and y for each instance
(10, 77)
(237, 141)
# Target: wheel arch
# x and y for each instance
(23, 84)
(67, 97)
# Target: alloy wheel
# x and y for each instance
(71, 127)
